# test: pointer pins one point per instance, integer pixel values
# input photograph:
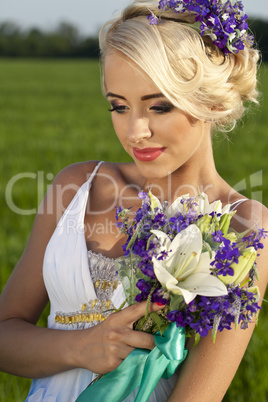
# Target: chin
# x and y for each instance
(151, 172)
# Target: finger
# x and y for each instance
(138, 339)
(125, 351)
(133, 313)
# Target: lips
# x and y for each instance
(147, 154)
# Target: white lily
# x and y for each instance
(154, 201)
(186, 270)
(203, 206)
(176, 206)
(241, 268)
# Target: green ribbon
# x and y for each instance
(141, 368)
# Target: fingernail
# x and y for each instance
(159, 304)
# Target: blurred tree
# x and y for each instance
(10, 39)
(34, 43)
(66, 41)
(260, 31)
(70, 33)
(9, 29)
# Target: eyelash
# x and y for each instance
(118, 108)
(162, 109)
(159, 109)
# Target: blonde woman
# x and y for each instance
(169, 88)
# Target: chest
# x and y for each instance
(101, 232)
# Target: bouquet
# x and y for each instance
(187, 258)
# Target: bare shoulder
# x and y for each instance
(113, 179)
(64, 187)
(110, 180)
(250, 214)
(78, 173)
(71, 178)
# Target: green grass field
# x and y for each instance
(52, 114)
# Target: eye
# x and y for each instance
(162, 108)
(118, 109)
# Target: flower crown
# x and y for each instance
(223, 21)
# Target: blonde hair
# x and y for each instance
(191, 72)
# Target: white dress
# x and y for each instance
(81, 285)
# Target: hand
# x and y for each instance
(106, 345)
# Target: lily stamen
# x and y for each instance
(180, 271)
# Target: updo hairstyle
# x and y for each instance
(192, 73)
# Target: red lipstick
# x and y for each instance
(147, 154)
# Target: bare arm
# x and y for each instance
(34, 352)
(209, 368)
(24, 297)
(31, 351)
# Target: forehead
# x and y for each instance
(121, 72)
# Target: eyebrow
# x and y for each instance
(143, 98)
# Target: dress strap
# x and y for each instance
(236, 204)
(93, 174)
(78, 203)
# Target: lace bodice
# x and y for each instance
(105, 280)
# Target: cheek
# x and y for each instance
(182, 136)
(116, 126)
(178, 132)
(119, 129)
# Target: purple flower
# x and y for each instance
(160, 296)
(203, 313)
(223, 21)
(147, 269)
(144, 286)
(254, 239)
(163, 4)
(225, 256)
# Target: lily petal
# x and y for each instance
(204, 285)
(203, 204)
(186, 248)
(164, 239)
(176, 206)
(177, 290)
(155, 203)
(162, 274)
(226, 209)
(203, 265)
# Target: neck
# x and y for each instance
(197, 175)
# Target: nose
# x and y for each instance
(138, 130)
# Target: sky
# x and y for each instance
(86, 15)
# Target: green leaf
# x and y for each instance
(139, 325)
(176, 302)
(208, 248)
(256, 273)
(196, 339)
(225, 222)
(149, 241)
(164, 327)
(240, 235)
(132, 240)
(160, 322)
(157, 319)
(129, 274)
